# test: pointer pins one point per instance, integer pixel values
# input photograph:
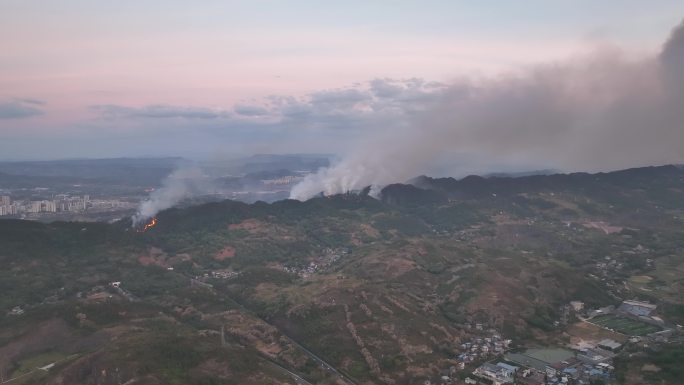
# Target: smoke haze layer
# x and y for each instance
(607, 110)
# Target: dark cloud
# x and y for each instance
(297, 111)
(385, 88)
(159, 112)
(20, 109)
(246, 110)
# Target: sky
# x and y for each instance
(204, 79)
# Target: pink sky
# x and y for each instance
(78, 54)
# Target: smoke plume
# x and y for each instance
(606, 110)
(183, 183)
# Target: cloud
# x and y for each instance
(159, 111)
(246, 110)
(385, 88)
(406, 90)
(375, 105)
(362, 107)
(20, 109)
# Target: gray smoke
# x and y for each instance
(607, 110)
(183, 183)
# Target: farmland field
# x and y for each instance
(624, 325)
(666, 281)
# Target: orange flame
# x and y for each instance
(149, 225)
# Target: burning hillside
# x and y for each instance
(148, 225)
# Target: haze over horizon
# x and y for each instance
(90, 80)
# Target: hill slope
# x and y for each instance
(381, 291)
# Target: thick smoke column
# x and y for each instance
(181, 184)
(608, 110)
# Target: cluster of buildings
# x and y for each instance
(482, 348)
(17, 310)
(484, 343)
(606, 268)
(202, 280)
(218, 274)
(321, 263)
(587, 363)
(60, 203)
(303, 271)
(549, 366)
(286, 180)
(224, 274)
(499, 373)
(641, 312)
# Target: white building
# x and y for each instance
(577, 305)
(48, 206)
(33, 207)
(499, 374)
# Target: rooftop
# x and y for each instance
(639, 303)
(610, 343)
(510, 368)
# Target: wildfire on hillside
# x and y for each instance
(148, 225)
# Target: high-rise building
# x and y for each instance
(49, 206)
(62, 206)
(33, 207)
(5, 200)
